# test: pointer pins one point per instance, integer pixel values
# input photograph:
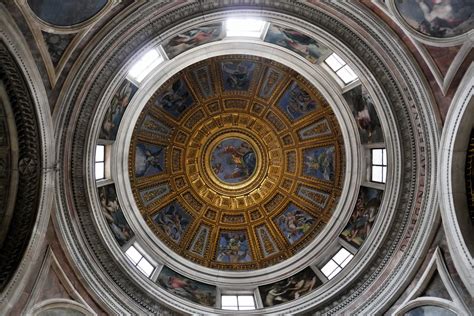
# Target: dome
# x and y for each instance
(236, 157)
(236, 162)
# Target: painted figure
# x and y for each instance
(176, 99)
(363, 216)
(237, 75)
(173, 221)
(289, 289)
(194, 291)
(319, 163)
(294, 223)
(365, 115)
(149, 159)
(233, 160)
(114, 215)
(296, 103)
(193, 38)
(233, 248)
(296, 41)
(438, 18)
(114, 114)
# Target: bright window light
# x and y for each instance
(139, 261)
(337, 263)
(340, 67)
(335, 62)
(379, 165)
(238, 302)
(245, 27)
(346, 74)
(133, 254)
(99, 162)
(142, 67)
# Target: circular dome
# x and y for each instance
(236, 162)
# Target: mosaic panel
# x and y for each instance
(149, 159)
(296, 103)
(194, 291)
(199, 245)
(271, 80)
(313, 195)
(176, 99)
(319, 163)
(268, 246)
(318, 129)
(237, 75)
(202, 75)
(233, 247)
(173, 220)
(294, 223)
(152, 194)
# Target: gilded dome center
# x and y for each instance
(236, 162)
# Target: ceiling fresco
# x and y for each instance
(236, 163)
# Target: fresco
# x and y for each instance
(233, 160)
(289, 289)
(441, 19)
(297, 42)
(193, 38)
(66, 12)
(363, 216)
(271, 80)
(149, 159)
(296, 102)
(173, 220)
(114, 114)
(237, 75)
(233, 247)
(197, 292)
(294, 223)
(113, 214)
(363, 109)
(176, 99)
(319, 163)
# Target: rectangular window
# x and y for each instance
(379, 165)
(337, 263)
(99, 162)
(139, 261)
(238, 302)
(340, 67)
(244, 27)
(145, 64)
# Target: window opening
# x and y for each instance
(379, 165)
(238, 302)
(337, 263)
(244, 27)
(341, 68)
(99, 162)
(145, 64)
(139, 261)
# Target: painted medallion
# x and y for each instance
(233, 160)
